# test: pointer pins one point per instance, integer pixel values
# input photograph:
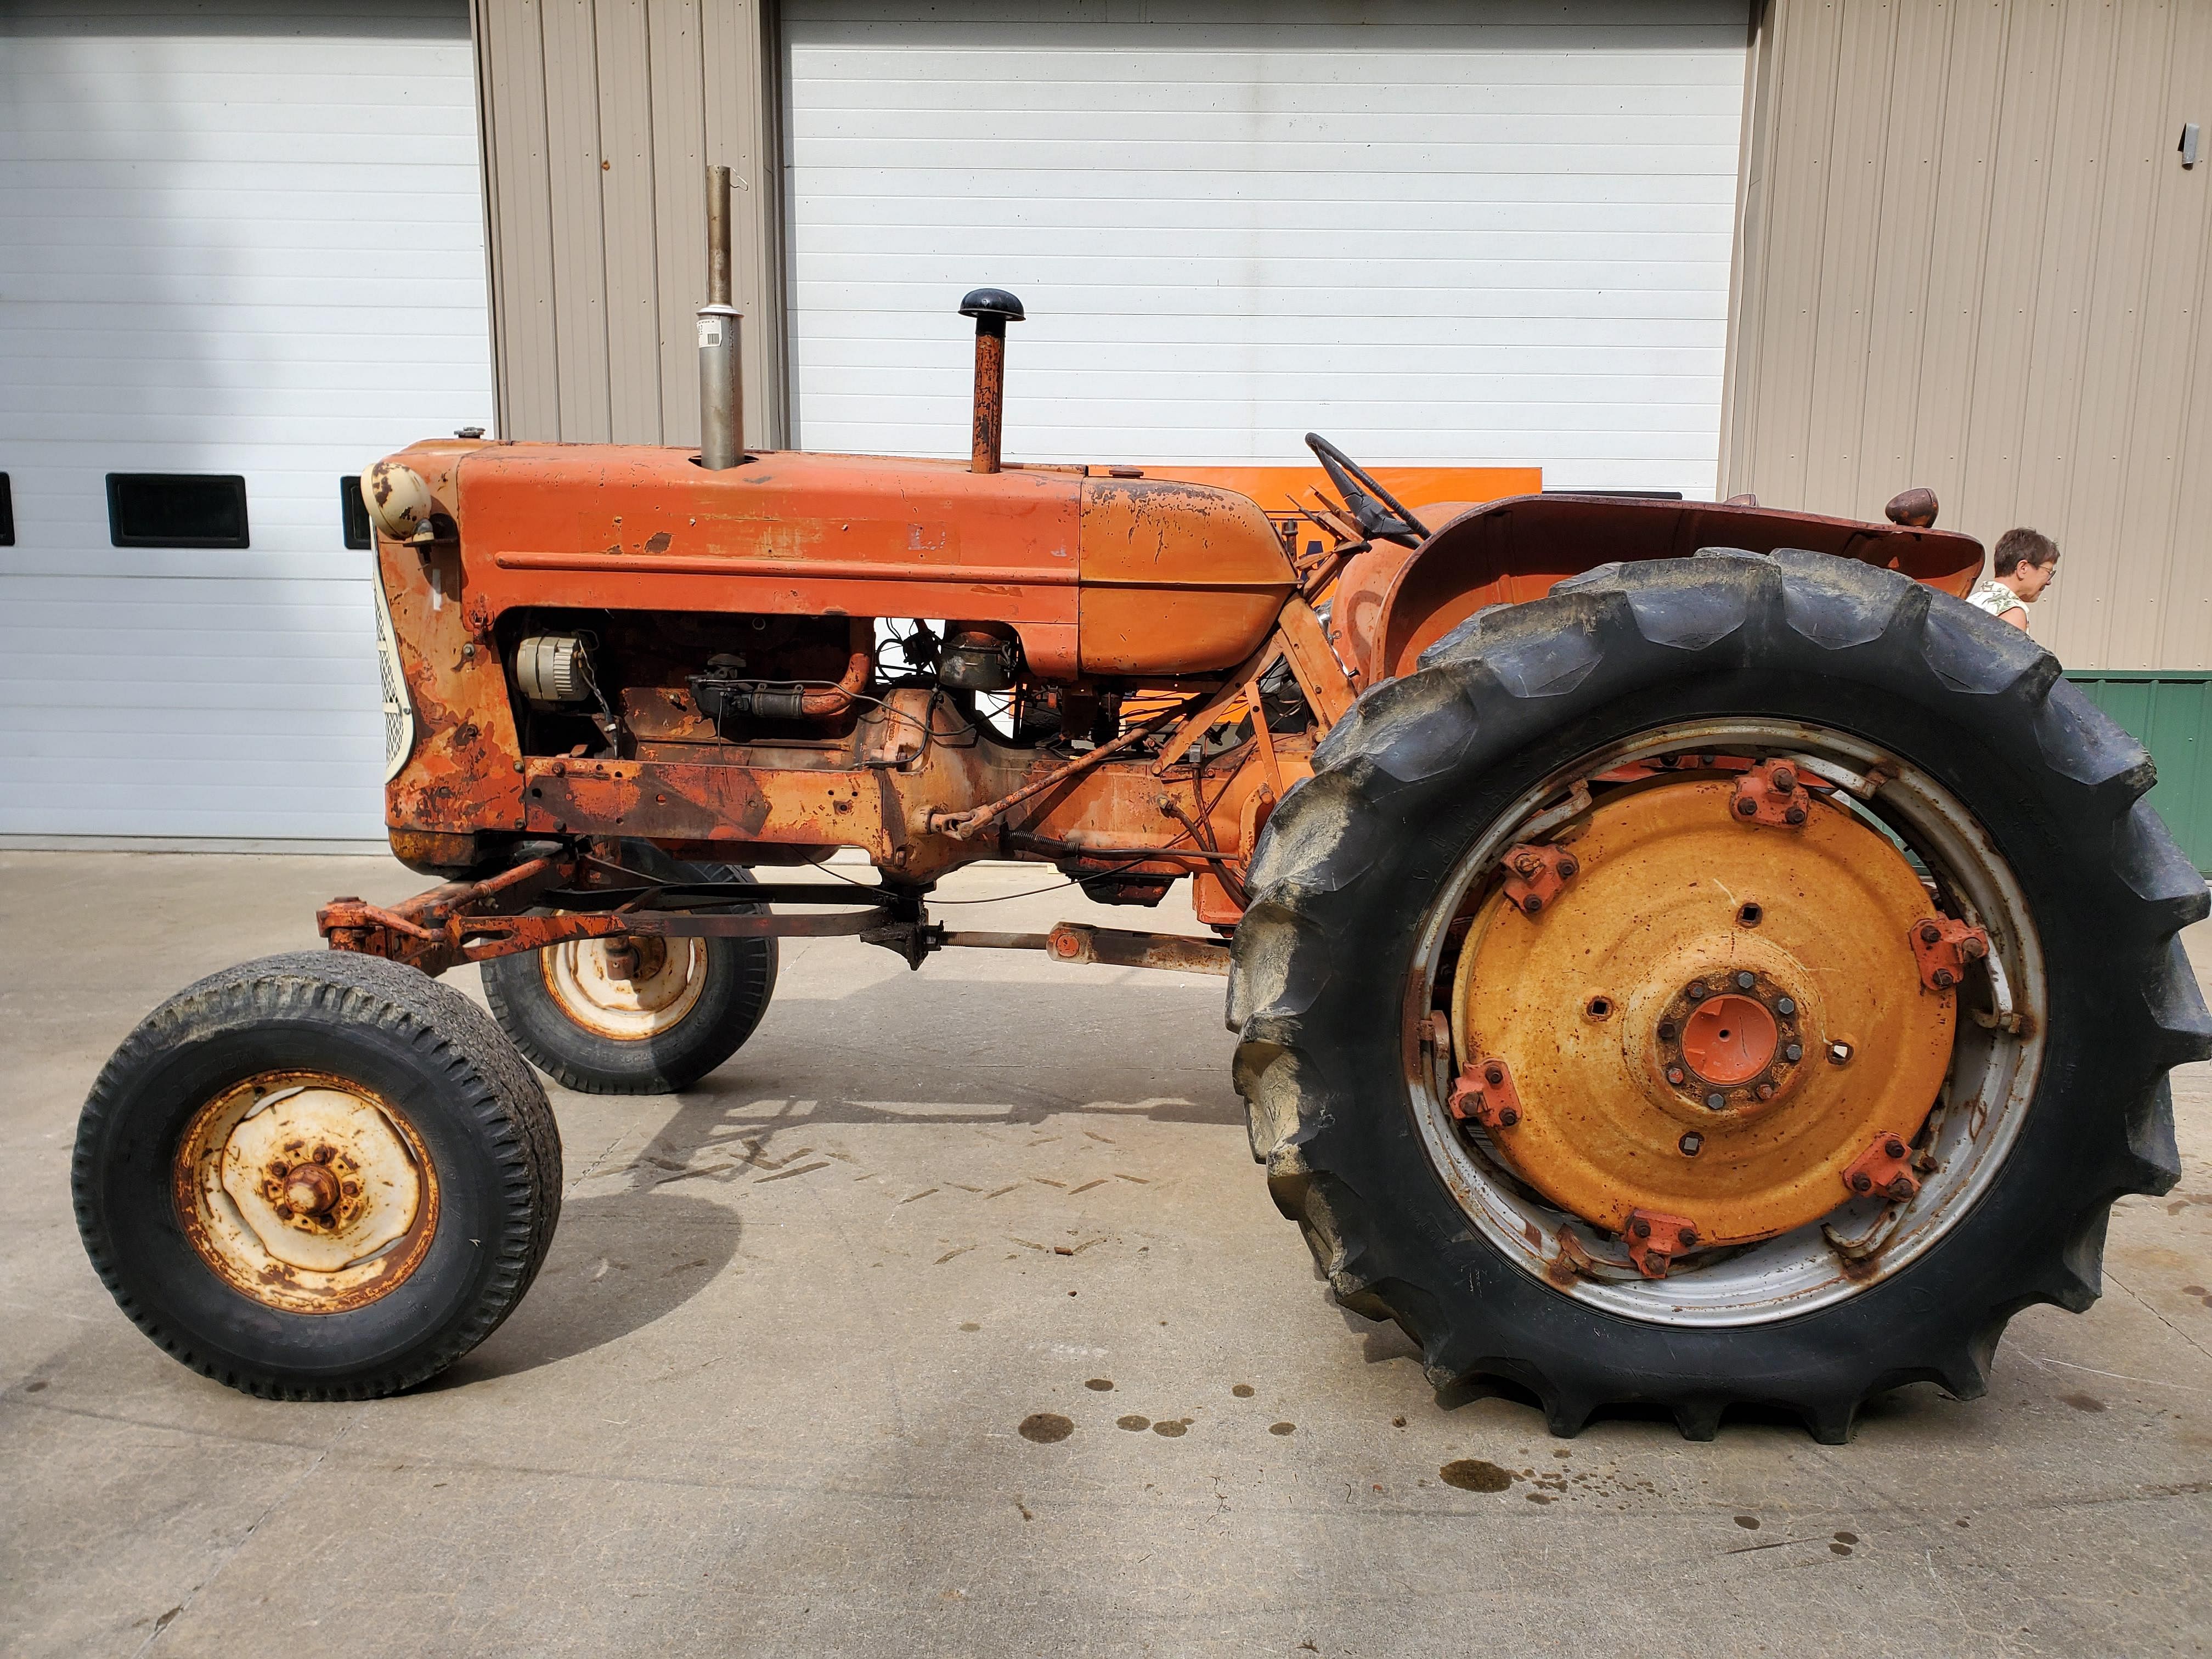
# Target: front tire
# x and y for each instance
(647, 1024)
(1354, 892)
(317, 1176)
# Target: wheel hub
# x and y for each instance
(627, 989)
(1670, 1019)
(305, 1191)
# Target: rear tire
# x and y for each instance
(1356, 859)
(712, 994)
(470, 1155)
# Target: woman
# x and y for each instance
(2026, 562)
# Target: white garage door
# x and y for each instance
(249, 244)
(1437, 233)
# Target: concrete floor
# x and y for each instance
(768, 1403)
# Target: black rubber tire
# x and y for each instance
(740, 981)
(1354, 857)
(478, 1111)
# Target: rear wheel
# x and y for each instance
(317, 1176)
(1677, 1070)
(634, 1016)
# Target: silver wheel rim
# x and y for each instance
(1976, 1119)
(586, 980)
(306, 1191)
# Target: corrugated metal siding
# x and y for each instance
(239, 241)
(1970, 258)
(2171, 714)
(1437, 232)
(600, 117)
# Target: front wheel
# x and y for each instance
(1731, 979)
(317, 1176)
(634, 1016)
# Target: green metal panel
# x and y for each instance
(2171, 716)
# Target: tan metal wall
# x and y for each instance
(1970, 258)
(599, 117)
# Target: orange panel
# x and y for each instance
(1275, 487)
(1177, 578)
(635, 528)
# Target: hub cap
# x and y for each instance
(626, 989)
(306, 1191)
(1698, 1041)
(1647, 1146)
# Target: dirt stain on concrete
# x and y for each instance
(1134, 1422)
(1475, 1475)
(1100, 1385)
(1046, 1428)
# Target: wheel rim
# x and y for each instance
(306, 1191)
(1613, 1065)
(626, 989)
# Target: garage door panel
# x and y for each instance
(218, 225)
(1497, 236)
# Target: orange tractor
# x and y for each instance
(1678, 953)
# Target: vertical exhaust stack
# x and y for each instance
(992, 309)
(721, 403)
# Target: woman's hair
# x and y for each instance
(2022, 546)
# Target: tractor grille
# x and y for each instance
(398, 712)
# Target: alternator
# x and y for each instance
(553, 669)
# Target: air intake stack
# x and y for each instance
(992, 309)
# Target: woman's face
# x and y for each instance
(2030, 580)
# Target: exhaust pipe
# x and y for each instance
(721, 402)
(992, 309)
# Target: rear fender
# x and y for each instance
(1509, 551)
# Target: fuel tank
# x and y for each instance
(1099, 576)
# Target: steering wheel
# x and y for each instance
(1394, 523)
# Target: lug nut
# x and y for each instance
(1785, 1007)
(1569, 869)
(1640, 1227)
(1795, 1052)
(1507, 1117)
(1930, 933)
(1746, 808)
(1901, 1189)
(1893, 1147)
(1530, 905)
(1689, 1238)
(1715, 1101)
(1745, 981)
(1674, 1075)
(1861, 1183)
(1766, 1091)
(1494, 1075)
(1795, 815)
(1944, 979)
(1783, 780)
(1666, 1030)
(1697, 990)
(1691, 1143)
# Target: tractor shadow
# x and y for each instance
(964, 1052)
(904, 1053)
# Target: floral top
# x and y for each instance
(1994, 597)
